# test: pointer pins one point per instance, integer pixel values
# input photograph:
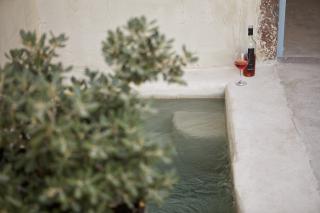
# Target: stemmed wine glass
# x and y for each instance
(241, 64)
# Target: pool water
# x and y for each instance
(197, 130)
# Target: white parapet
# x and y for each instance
(271, 167)
(204, 83)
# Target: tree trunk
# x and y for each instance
(124, 208)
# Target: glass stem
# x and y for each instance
(241, 75)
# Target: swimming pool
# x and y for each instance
(197, 130)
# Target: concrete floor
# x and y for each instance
(302, 86)
(302, 33)
(301, 79)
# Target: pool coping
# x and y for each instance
(204, 83)
(270, 166)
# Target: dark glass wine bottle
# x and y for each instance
(249, 71)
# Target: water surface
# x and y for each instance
(196, 128)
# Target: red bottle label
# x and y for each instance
(250, 70)
(251, 59)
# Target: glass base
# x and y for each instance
(241, 83)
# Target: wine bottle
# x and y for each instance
(249, 71)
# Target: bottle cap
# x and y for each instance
(250, 30)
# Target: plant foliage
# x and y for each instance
(80, 147)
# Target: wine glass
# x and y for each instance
(241, 64)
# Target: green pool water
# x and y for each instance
(197, 130)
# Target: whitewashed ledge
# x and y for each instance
(271, 168)
(204, 83)
(270, 165)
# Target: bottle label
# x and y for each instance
(251, 59)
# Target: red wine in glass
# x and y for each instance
(241, 64)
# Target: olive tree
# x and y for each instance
(80, 147)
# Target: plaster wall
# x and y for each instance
(213, 29)
(15, 15)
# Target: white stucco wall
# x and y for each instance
(213, 29)
(15, 15)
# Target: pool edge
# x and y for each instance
(271, 172)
